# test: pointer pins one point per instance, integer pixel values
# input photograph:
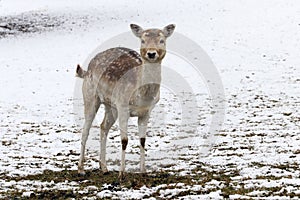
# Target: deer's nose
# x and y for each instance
(151, 55)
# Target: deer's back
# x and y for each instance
(112, 67)
(114, 63)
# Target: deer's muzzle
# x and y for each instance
(152, 55)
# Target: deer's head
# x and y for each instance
(153, 42)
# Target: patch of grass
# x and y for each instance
(282, 166)
(46, 194)
(98, 179)
(202, 175)
(94, 178)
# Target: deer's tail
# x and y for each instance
(80, 72)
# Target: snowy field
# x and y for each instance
(253, 44)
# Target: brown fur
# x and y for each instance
(128, 84)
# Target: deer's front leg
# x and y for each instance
(142, 123)
(123, 123)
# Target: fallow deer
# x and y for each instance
(128, 84)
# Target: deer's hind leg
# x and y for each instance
(109, 119)
(91, 106)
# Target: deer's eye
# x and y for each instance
(143, 41)
(162, 41)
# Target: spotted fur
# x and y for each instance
(128, 84)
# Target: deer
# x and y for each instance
(128, 85)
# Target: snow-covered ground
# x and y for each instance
(254, 45)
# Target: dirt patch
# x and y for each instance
(27, 23)
(89, 185)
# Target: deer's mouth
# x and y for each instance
(151, 55)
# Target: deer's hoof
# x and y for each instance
(104, 169)
(143, 171)
(143, 174)
(121, 175)
(105, 172)
(81, 173)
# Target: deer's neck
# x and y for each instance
(151, 73)
(149, 87)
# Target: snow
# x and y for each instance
(253, 44)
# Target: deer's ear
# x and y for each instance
(137, 30)
(168, 30)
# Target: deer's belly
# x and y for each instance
(141, 109)
(138, 112)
